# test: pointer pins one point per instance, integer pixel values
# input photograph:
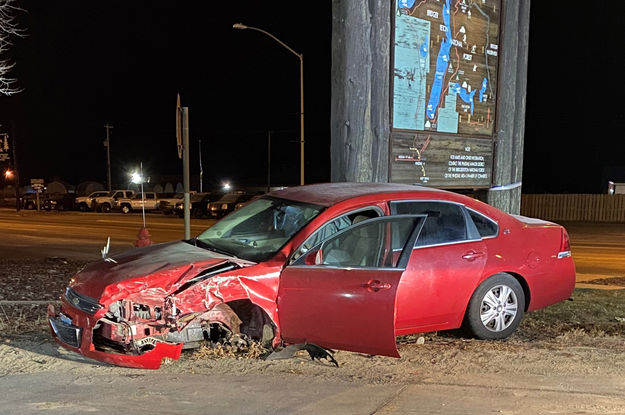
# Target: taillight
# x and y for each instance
(566, 242)
(565, 245)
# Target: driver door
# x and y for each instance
(341, 294)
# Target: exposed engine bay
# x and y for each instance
(135, 328)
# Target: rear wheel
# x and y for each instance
(125, 209)
(82, 207)
(496, 308)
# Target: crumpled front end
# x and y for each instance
(140, 321)
(69, 335)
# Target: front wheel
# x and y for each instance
(125, 209)
(496, 308)
(106, 208)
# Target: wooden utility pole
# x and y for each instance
(505, 193)
(107, 144)
(199, 150)
(360, 123)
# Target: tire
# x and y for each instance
(30, 206)
(82, 207)
(106, 208)
(125, 209)
(496, 308)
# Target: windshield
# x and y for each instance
(257, 231)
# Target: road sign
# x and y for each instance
(37, 184)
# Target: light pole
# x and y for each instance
(241, 26)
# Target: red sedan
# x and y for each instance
(339, 265)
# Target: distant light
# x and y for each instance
(239, 26)
(136, 178)
(227, 186)
(8, 174)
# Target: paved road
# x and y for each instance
(598, 250)
(81, 235)
(149, 392)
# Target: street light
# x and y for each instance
(137, 178)
(8, 174)
(241, 26)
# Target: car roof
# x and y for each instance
(328, 194)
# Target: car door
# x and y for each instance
(444, 269)
(341, 294)
(150, 201)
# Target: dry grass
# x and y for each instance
(595, 318)
(23, 319)
(218, 351)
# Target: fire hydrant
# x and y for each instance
(143, 238)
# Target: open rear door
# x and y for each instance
(341, 294)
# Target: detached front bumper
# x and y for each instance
(75, 333)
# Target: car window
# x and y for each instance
(485, 226)
(369, 244)
(445, 222)
(333, 226)
(257, 231)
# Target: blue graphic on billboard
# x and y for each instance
(445, 66)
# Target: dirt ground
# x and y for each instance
(583, 336)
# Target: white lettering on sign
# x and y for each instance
(432, 13)
(467, 56)
(456, 42)
(493, 46)
(443, 28)
(491, 52)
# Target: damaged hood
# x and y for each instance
(153, 270)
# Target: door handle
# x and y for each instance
(472, 255)
(376, 285)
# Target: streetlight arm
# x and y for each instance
(241, 26)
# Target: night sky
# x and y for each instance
(83, 64)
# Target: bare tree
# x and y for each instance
(8, 29)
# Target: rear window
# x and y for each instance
(445, 222)
(485, 226)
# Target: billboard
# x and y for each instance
(444, 84)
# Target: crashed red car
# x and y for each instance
(340, 265)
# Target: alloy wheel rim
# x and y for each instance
(499, 308)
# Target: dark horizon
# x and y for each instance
(124, 63)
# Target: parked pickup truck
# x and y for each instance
(150, 202)
(112, 200)
(85, 203)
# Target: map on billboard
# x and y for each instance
(445, 65)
